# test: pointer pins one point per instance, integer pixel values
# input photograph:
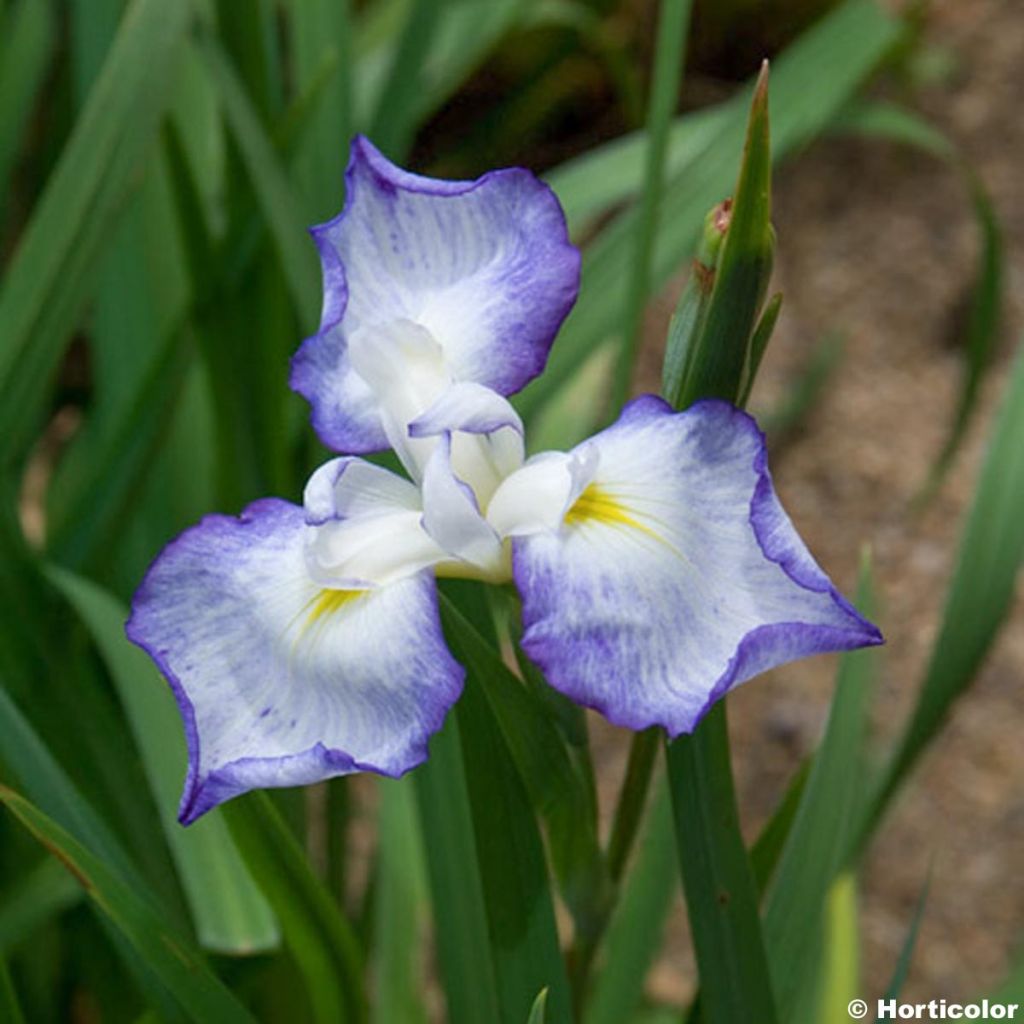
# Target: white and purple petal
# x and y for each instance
(484, 266)
(675, 575)
(279, 681)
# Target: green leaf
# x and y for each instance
(635, 933)
(278, 203)
(464, 947)
(538, 1015)
(513, 870)
(557, 788)
(31, 900)
(721, 353)
(902, 968)
(321, 32)
(991, 552)
(840, 979)
(394, 122)
(230, 913)
(171, 958)
(818, 842)
(38, 773)
(28, 40)
(92, 512)
(54, 265)
(811, 82)
(767, 850)
(670, 46)
(399, 911)
(315, 930)
(719, 885)
(10, 1007)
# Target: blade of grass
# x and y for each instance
(828, 1002)
(464, 948)
(10, 1007)
(92, 511)
(518, 903)
(178, 966)
(902, 968)
(811, 81)
(54, 265)
(26, 757)
(230, 913)
(400, 895)
(393, 124)
(298, 260)
(670, 46)
(717, 878)
(321, 31)
(557, 789)
(314, 928)
(538, 1014)
(991, 552)
(815, 851)
(635, 932)
(28, 42)
(44, 893)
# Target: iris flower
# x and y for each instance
(656, 566)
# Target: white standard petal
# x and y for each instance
(366, 526)
(404, 367)
(279, 681)
(675, 574)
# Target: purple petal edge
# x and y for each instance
(766, 515)
(201, 794)
(351, 434)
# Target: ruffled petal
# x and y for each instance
(676, 574)
(484, 266)
(279, 681)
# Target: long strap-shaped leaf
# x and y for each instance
(819, 839)
(720, 892)
(464, 948)
(811, 82)
(513, 870)
(991, 552)
(168, 955)
(53, 268)
(230, 913)
(315, 930)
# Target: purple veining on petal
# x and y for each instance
(638, 647)
(183, 613)
(496, 317)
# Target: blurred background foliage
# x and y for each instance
(159, 163)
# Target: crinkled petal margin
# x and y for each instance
(497, 331)
(559, 653)
(201, 565)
